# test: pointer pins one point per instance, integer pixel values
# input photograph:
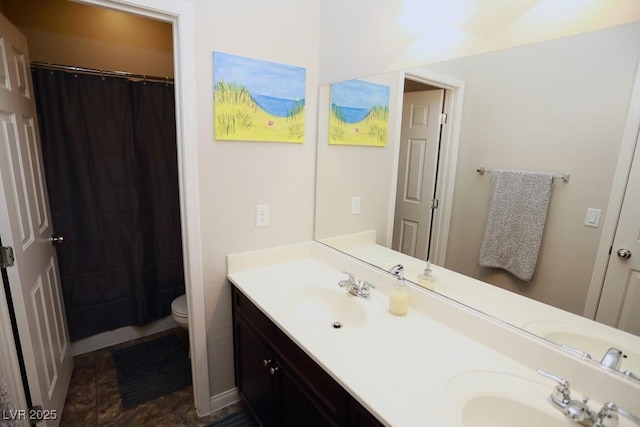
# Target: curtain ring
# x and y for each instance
(102, 73)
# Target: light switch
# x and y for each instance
(355, 205)
(593, 217)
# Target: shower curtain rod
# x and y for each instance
(106, 73)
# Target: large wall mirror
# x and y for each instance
(560, 106)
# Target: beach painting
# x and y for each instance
(257, 100)
(359, 113)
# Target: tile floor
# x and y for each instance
(94, 399)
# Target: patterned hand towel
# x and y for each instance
(517, 214)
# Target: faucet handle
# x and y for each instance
(561, 381)
(369, 285)
(608, 415)
(576, 351)
(561, 394)
(352, 277)
(631, 375)
(365, 289)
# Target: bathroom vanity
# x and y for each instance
(544, 320)
(307, 350)
(280, 382)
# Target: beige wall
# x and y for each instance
(366, 37)
(368, 172)
(235, 176)
(556, 106)
(69, 33)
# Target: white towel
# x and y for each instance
(517, 214)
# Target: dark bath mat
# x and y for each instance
(239, 419)
(151, 369)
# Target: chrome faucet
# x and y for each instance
(612, 359)
(579, 411)
(560, 399)
(356, 287)
(397, 270)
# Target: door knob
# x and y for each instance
(624, 253)
(56, 240)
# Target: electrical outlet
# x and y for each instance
(262, 215)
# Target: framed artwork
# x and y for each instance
(359, 113)
(257, 100)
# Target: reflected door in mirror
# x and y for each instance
(417, 168)
(620, 300)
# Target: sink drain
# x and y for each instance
(337, 325)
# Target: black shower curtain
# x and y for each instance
(109, 149)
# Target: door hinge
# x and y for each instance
(443, 118)
(6, 257)
(434, 203)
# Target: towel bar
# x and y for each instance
(563, 176)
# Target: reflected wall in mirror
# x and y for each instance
(556, 106)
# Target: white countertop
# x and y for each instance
(400, 368)
(541, 319)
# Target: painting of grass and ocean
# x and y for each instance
(257, 100)
(359, 113)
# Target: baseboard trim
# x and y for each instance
(224, 399)
(117, 336)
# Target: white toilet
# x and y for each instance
(179, 311)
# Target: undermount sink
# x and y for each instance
(495, 399)
(589, 340)
(323, 306)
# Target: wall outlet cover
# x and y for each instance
(592, 219)
(262, 215)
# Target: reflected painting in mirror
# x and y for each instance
(557, 106)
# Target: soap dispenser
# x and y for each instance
(399, 298)
(427, 279)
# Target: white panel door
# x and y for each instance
(417, 168)
(620, 299)
(9, 364)
(25, 225)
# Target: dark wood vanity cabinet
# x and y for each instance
(358, 416)
(281, 384)
(253, 377)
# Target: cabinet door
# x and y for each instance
(358, 416)
(295, 406)
(255, 381)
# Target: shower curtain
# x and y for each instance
(109, 150)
